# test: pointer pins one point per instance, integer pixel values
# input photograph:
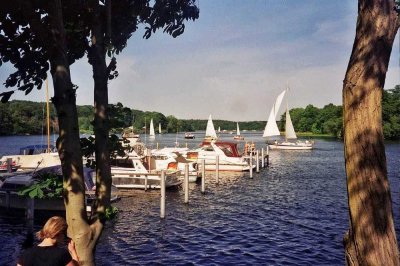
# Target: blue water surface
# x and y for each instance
(292, 213)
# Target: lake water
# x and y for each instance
(292, 213)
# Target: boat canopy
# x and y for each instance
(35, 149)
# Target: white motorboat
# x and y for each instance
(31, 158)
(229, 158)
(170, 159)
(133, 171)
(189, 135)
(272, 132)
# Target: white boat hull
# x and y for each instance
(227, 167)
(291, 146)
(131, 179)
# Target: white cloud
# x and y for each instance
(236, 59)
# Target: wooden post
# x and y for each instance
(251, 165)
(8, 199)
(30, 208)
(186, 183)
(217, 168)
(162, 203)
(157, 145)
(203, 176)
(257, 161)
(267, 155)
(263, 158)
(9, 165)
(145, 182)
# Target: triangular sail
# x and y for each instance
(159, 129)
(271, 129)
(152, 133)
(237, 129)
(289, 129)
(210, 130)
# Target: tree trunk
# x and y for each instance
(371, 239)
(97, 58)
(68, 143)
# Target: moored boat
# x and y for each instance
(229, 158)
(189, 135)
(135, 172)
(10, 187)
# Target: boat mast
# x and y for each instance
(48, 115)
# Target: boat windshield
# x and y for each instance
(122, 163)
(227, 150)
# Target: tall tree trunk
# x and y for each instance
(97, 58)
(68, 143)
(371, 239)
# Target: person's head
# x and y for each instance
(54, 228)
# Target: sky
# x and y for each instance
(234, 61)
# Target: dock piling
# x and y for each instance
(251, 165)
(257, 161)
(162, 199)
(9, 165)
(217, 168)
(263, 158)
(30, 209)
(186, 183)
(203, 176)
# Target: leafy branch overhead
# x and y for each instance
(23, 36)
(170, 15)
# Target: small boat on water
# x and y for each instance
(189, 135)
(238, 136)
(152, 134)
(272, 131)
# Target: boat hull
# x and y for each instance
(227, 167)
(291, 146)
(130, 179)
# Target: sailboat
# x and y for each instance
(33, 157)
(210, 130)
(272, 131)
(159, 128)
(238, 136)
(152, 134)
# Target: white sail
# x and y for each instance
(289, 129)
(152, 133)
(271, 129)
(159, 128)
(210, 131)
(237, 129)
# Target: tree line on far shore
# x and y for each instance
(27, 117)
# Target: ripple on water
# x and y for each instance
(293, 213)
